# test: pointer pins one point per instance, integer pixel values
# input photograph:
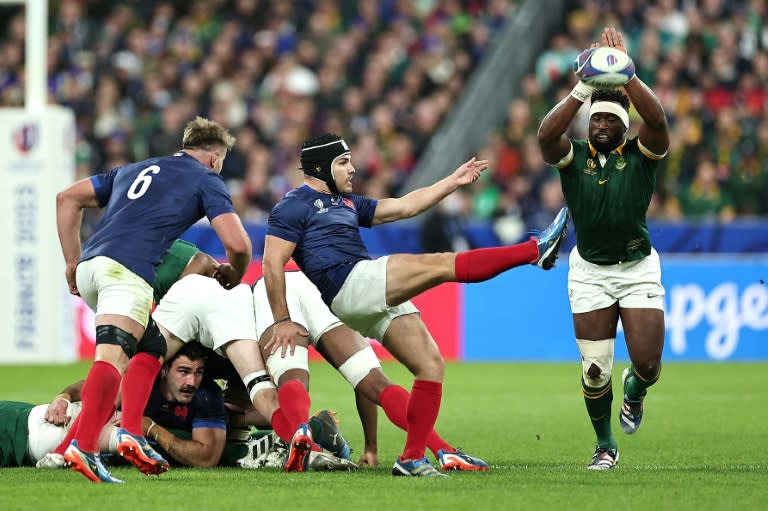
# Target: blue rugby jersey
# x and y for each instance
(326, 231)
(206, 410)
(148, 205)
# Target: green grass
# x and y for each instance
(703, 445)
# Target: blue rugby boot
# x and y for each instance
(415, 468)
(89, 464)
(631, 413)
(549, 240)
(326, 434)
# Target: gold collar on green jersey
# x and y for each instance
(619, 149)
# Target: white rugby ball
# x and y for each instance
(604, 67)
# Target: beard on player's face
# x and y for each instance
(606, 140)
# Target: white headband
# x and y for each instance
(609, 107)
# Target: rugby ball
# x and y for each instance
(604, 68)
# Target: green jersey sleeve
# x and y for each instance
(171, 266)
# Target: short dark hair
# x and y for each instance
(192, 350)
(614, 95)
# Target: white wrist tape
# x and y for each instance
(582, 91)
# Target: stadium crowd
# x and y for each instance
(381, 73)
(707, 61)
(384, 74)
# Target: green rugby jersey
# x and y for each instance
(171, 266)
(608, 203)
(14, 433)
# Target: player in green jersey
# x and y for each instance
(614, 272)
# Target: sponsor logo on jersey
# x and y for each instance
(602, 181)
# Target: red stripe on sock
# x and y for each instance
(138, 381)
(483, 263)
(98, 395)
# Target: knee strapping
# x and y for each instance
(599, 354)
(110, 334)
(357, 367)
(278, 365)
(152, 342)
(257, 381)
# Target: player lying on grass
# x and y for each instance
(186, 417)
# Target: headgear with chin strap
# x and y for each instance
(317, 160)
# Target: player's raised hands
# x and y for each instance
(612, 38)
(470, 171)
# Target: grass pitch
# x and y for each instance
(703, 445)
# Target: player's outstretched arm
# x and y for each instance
(654, 132)
(202, 450)
(418, 201)
(277, 252)
(69, 215)
(237, 245)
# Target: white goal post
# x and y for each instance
(37, 159)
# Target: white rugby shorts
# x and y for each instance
(362, 300)
(634, 284)
(197, 308)
(108, 287)
(305, 305)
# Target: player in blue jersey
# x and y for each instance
(147, 206)
(318, 224)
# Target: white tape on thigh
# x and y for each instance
(357, 367)
(599, 353)
(278, 365)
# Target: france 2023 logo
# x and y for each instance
(26, 137)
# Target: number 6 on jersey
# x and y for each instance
(141, 183)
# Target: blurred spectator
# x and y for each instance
(444, 229)
(703, 198)
(709, 68)
(384, 74)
